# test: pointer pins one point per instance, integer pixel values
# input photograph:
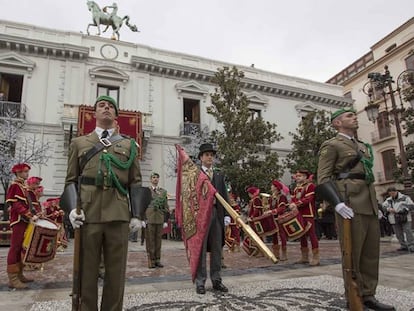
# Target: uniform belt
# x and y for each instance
(88, 181)
(350, 176)
(92, 181)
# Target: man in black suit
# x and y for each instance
(214, 240)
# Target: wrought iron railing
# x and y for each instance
(12, 110)
(189, 129)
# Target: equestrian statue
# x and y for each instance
(101, 17)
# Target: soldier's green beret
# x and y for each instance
(108, 99)
(155, 174)
(337, 113)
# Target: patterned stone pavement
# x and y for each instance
(250, 280)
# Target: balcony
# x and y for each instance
(12, 110)
(190, 129)
(378, 137)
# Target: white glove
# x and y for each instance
(344, 210)
(75, 219)
(227, 220)
(164, 225)
(136, 224)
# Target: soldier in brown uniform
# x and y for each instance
(156, 217)
(348, 163)
(104, 166)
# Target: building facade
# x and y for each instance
(47, 74)
(396, 50)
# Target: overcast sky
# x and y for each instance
(313, 39)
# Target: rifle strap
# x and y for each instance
(99, 146)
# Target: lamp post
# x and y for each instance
(380, 87)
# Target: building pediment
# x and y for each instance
(304, 108)
(191, 87)
(14, 60)
(108, 73)
(257, 98)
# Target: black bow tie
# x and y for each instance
(105, 134)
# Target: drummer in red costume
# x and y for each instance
(255, 210)
(33, 184)
(232, 236)
(279, 202)
(255, 203)
(304, 199)
(20, 215)
(53, 212)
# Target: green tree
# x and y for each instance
(243, 140)
(312, 131)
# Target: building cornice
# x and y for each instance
(407, 46)
(393, 33)
(43, 48)
(178, 71)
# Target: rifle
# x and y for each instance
(70, 200)
(247, 229)
(76, 284)
(354, 300)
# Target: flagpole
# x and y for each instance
(247, 229)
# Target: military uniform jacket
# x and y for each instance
(304, 198)
(155, 214)
(334, 155)
(102, 204)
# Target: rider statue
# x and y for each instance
(114, 8)
(101, 17)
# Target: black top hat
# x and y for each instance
(206, 148)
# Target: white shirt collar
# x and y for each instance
(205, 169)
(99, 130)
(347, 136)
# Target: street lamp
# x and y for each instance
(380, 87)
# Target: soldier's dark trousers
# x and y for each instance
(112, 239)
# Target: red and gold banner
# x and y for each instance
(194, 204)
(129, 122)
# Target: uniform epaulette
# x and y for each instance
(126, 136)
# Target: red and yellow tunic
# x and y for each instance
(255, 207)
(304, 198)
(279, 203)
(17, 198)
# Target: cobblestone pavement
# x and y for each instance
(53, 281)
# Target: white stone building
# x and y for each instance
(48, 73)
(397, 51)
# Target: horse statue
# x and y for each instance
(100, 17)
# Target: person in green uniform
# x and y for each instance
(348, 162)
(104, 167)
(156, 217)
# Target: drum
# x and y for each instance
(250, 248)
(40, 241)
(265, 224)
(293, 224)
